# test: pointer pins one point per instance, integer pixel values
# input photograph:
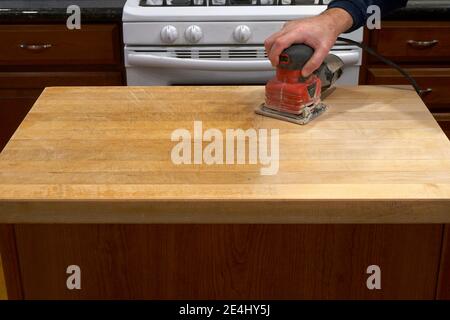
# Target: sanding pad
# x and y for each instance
(309, 114)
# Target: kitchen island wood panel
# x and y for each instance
(10, 262)
(229, 261)
(443, 291)
(376, 156)
(3, 294)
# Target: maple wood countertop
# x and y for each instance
(103, 155)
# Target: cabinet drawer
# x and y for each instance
(413, 41)
(436, 79)
(57, 45)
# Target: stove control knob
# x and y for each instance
(193, 34)
(242, 33)
(169, 34)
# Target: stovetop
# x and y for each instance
(216, 11)
(188, 3)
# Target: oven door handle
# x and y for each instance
(149, 60)
(348, 57)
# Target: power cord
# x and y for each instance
(372, 52)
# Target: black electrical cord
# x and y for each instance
(372, 52)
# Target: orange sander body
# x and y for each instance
(290, 96)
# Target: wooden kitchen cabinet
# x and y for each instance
(413, 41)
(33, 57)
(56, 45)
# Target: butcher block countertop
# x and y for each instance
(103, 155)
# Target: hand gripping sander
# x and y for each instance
(293, 98)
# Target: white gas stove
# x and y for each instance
(184, 42)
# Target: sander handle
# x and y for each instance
(295, 57)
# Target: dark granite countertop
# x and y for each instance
(48, 11)
(423, 10)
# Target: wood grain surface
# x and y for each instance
(401, 33)
(90, 45)
(443, 290)
(103, 155)
(10, 261)
(3, 295)
(229, 261)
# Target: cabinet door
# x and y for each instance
(229, 261)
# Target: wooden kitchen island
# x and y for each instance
(89, 180)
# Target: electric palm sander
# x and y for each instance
(294, 98)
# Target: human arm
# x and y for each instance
(320, 32)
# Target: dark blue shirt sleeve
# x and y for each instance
(358, 9)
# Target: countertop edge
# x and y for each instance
(416, 13)
(114, 14)
(226, 212)
(36, 15)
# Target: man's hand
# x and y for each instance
(319, 32)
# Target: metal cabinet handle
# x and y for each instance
(35, 47)
(425, 91)
(422, 44)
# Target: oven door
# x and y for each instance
(215, 65)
